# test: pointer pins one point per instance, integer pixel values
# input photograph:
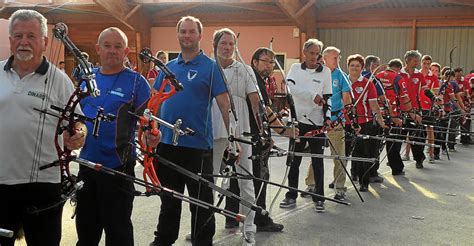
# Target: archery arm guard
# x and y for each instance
(327, 107)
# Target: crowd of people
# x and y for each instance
(374, 104)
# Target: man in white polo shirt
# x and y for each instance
(29, 81)
(310, 84)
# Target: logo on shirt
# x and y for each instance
(317, 81)
(335, 82)
(117, 92)
(192, 74)
(359, 89)
(36, 94)
(415, 81)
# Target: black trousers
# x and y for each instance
(105, 203)
(317, 147)
(260, 169)
(202, 220)
(440, 135)
(378, 146)
(393, 153)
(451, 123)
(365, 148)
(17, 209)
(417, 150)
(465, 129)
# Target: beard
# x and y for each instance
(266, 73)
(22, 55)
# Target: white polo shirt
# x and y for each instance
(307, 84)
(26, 135)
(241, 84)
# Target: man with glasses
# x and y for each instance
(310, 84)
(263, 61)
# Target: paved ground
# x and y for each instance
(432, 206)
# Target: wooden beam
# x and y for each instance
(305, 7)
(303, 39)
(174, 10)
(290, 8)
(142, 21)
(344, 7)
(310, 20)
(138, 6)
(413, 35)
(253, 6)
(459, 2)
(207, 1)
(225, 17)
(118, 9)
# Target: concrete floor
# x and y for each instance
(431, 206)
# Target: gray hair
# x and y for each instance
(113, 29)
(312, 41)
(218, 34)
(369, 60)
(26, 15)
(412, 54)
(330, 49)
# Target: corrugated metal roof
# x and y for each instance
(386, 43)
(321, 4)
(438, 42)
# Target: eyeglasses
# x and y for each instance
(268, 62)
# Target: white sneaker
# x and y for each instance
(249, 239)
(188, 237)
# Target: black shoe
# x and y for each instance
(436, 157)
(308, 189)
(270, 227)
(319, 207)
(331, 185)
(364, 188)
(376, 179)
(231, 224)
(398, 173)
(419, 164)
(155, 243)
(288, 203)
(340, 197)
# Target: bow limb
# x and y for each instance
(451, 52)
(68, 113)
(261, 117)
(293, 120)
(167, 89)
(68, 117)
